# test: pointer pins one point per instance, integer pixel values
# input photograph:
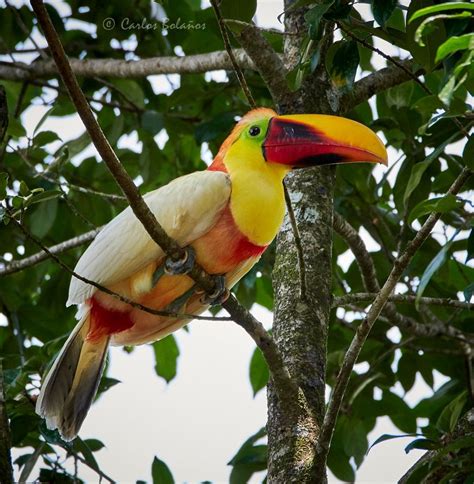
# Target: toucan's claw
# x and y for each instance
(220, 294)
(176, 305)
(181, 266)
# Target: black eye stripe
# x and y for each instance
(254, 131)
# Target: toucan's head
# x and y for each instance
(297, 141)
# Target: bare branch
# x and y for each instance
(369, 278)
(268, 63)
(117, 68)
(401, 298)
(19, 265)
(141, 210)
(401, 263)
(357, 246)
(228, 48)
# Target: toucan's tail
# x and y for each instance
(72, 381)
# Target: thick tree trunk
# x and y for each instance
(300, 326)
(301, 319)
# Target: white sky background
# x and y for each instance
(197, 422)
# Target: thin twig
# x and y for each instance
(19, 265)
(228, 48)
(350, 358)
(400, 298)
(298, 244)
(387, 57)
(369, 278)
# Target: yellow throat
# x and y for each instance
(257, 200)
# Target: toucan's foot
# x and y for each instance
(181, 266)
(220, 294)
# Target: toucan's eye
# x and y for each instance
(254, 131)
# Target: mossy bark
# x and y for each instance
(301, 320)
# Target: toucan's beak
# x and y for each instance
(300, 140)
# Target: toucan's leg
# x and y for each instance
(178, 303)
(220, 294)
(181, 266)
(159, 271)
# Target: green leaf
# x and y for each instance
(357, 445)
(43, 119)
(243, 10)
(424, 444)
(428, 26)
(314, 15)
(82, 447)
(105, 384)
(166, 357)
(3, 185)
(15, 128)
(43, 217)
(249, 459)
(415, 177)
(468, 153)
(43, 196)
(131, 91)
(433, 266)
(454, 44)
(439, 204)
(77, 145)
(45, 137)
(24, 190)
(470, 246)
(468, 292)
(258, 372)
(343, 65)
(153, 121)
(383, 9)
(160, 472)
(441, 8)
(451, 413)
(385, 437)
(94, 445)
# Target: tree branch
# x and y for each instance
(242, 317)
(228, 48)
(267, 62)
(401, 298)
(19, 265)
(350, 358)
(377, 82)
(118, 68)
(369, 278)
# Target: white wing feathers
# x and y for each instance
(186, 208)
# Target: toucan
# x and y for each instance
(225, 217)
